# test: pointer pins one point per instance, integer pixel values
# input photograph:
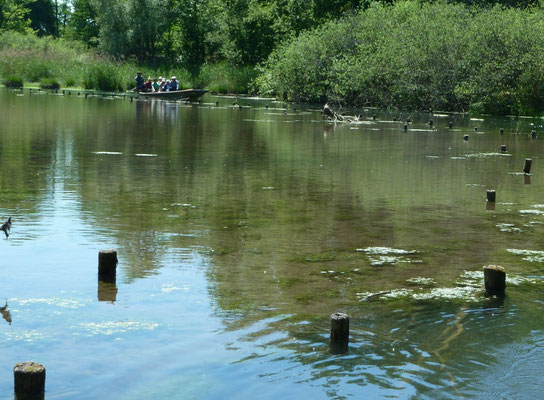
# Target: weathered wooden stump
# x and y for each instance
(465, 137)
(107, 265)
(503, 148)
(450, 125)
(491, 195)
(475, 129)
(533, 134)
(29, 378)
(501, 131)
(494, 280)
(339, 338)
(527, 166)
(405, 127)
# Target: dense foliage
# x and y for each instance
(483, 55)
(418, 55)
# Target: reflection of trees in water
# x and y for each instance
(393, 345)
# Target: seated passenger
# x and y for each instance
(148, 85)
(174, 84)
(166, 86)
(155, 85)
(162, 81)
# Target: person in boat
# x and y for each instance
(155, 85)
(166, 86)
(139, 82)
(148, 85)
(162, 81)
(174, 85)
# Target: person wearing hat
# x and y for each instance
(139, 82)
(162, 81)
(148, 85)
(174, 85)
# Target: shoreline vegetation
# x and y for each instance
(408, 55)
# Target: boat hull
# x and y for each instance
(175, 95)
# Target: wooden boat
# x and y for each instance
(189, 94)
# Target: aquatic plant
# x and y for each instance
(13, 81)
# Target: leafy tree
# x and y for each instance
(42, 17)
(83, 24)
(14, 14)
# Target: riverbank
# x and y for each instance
(406, 56)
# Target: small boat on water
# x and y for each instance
(189, 94)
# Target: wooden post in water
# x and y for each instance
(465, 137)
(527, 166)
(29, 378)
(339, 338)
(405, 127)
(475, 129)
(501, 131)
(503, 148)
(533, 134)
(450, 125)
(494, 280)
(491, 196)
(107, 265)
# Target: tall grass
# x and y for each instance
(44, 59)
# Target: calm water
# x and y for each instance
(239, 231)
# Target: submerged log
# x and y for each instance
(339, 338)
(107, 265)
(29, 380)
(527, 166)
(491, 195)
(329, 112)
(494, 280)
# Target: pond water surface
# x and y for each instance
(239, 232)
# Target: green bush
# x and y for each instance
(70, 82)
(13, 81)
(49, 83)
(417, 55)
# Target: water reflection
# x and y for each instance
(6, 314)
(270, 209)
(107, 291)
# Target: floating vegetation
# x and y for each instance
(508, 228)
(487, 155)
(387, 255)
(25, 336)
(469, 287)
(530, 255)
(114, 327)
(169, 288)
(534, 212)
(420, 281)
(55, 301)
